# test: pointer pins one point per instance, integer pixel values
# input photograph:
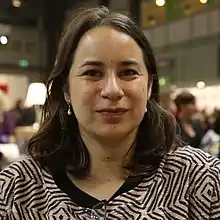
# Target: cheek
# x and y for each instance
(138, 95)
(141, 90)
(81, 94)
(139, 103)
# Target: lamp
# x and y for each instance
(36, 97)
(36, 94)
(16, 3)
(160, 3)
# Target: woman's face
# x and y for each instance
(108, 83)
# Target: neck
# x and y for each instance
(184, 117)
(108, 156)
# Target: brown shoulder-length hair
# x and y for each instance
(57, 145)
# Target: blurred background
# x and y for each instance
(185, 35)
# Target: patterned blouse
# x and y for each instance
(185, 186)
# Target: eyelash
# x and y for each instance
(93, 73)
(97, 73)
(134, 72)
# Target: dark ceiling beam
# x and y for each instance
(17, 21)
(53, 17)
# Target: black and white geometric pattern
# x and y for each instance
(185, 186)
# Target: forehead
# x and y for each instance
(106, 43)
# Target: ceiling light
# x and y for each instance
(16, 3)
(203, 1)
(160, 3)
(201, 85)
(3, 40)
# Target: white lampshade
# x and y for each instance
(36, 94)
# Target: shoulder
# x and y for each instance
(200, 173)
(15, 178)
(195, 165)
(194, 156)
(193, 160)
(23, 169)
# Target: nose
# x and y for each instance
(111, 88)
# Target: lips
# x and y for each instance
(113, 111)
(116, 112)
(112, 115)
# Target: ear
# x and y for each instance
(66, 93)
(67, 97)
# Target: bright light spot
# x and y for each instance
(203, 1)
(160, 3)
(162, 81)
(200, 85)
(3, 40)
(16, 3)
(23, 63)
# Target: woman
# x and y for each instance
(106, 149)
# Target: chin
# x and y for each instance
(114, 131)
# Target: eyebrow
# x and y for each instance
(99, 63)
(129, 63)
(92, 63)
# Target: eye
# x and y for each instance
(93, 73)
(128, 72)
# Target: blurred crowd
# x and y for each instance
(16, 127)
(197, 127)
(11, 118)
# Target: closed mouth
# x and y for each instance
(113, 111)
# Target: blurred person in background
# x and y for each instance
(106, 148)
(17, 111)
(192, 130)
(216, 124)
(205, 120)
(7, 123)
(23, 116)
(211, 140)
(7, 127)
